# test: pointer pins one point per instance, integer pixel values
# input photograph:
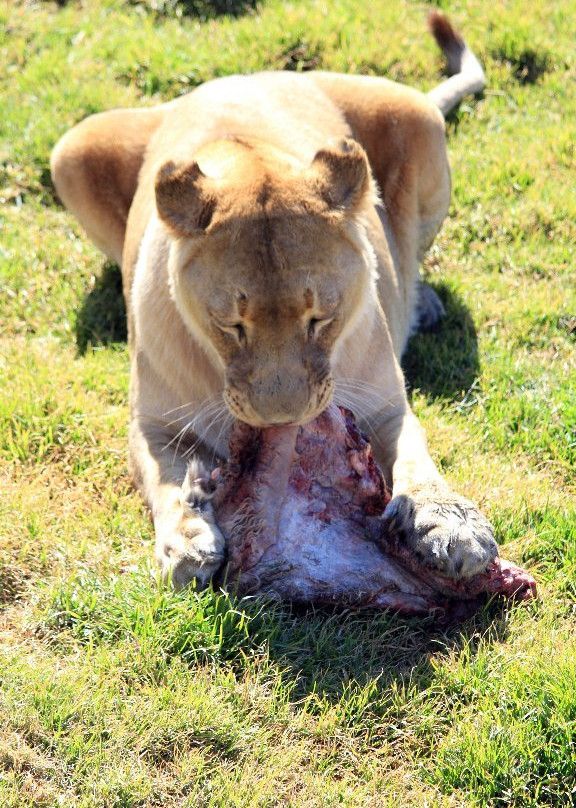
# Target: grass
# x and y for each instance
(115, 693)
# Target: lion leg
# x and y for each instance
(445, 530)
(95, 170)
(167, 463)
(402, 133)
(189, 545)
(430, 310)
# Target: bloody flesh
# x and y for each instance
(301, 508)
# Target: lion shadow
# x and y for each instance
(337, 654)
(444, 363)
(101, 319)
(204, 9)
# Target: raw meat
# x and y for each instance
(300, 508)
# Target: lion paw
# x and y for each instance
(191, 549)
(447, 532)
(430, 310)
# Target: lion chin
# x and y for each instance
(269, 229)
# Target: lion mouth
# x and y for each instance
(245, 412)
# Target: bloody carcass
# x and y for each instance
(301, 506)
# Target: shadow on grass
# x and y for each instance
(330, 654)
(326, 652)
(205, 9)
(527, 64)
(102, 318)
(214, 8)
(444, 364)
(12, 584)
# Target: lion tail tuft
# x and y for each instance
(466, 73)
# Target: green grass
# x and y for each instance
(115, 693)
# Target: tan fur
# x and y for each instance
(269, 230)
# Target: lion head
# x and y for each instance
(270, 267)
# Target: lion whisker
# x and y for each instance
(221, 415)
(208, 414)
(363, 398)
(203, 410)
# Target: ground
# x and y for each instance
(117, 693)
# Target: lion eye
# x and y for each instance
(240, 333)
(235, 330)
(315, 326)
(312, 326)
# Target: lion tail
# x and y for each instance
(466, 73)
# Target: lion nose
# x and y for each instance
(280, 400)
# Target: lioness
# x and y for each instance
(269, 229)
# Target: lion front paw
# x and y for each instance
(190, 549)
(447, 532)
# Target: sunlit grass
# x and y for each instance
(116, 692)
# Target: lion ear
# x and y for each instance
(341, 174)
(183, 198)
